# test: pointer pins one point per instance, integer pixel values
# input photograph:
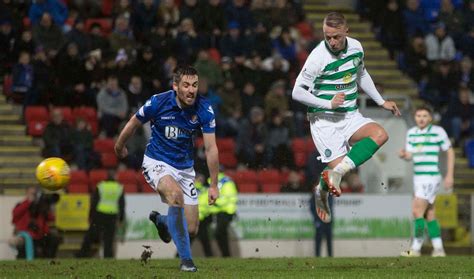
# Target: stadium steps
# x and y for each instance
(382, 69)
(18, 154)
(463, 175)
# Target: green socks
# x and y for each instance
(362, 151)
(419, 227)
(434, 229)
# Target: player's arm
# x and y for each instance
(127, 132)
(212, 158)
(449, 178)
(406, 153)
(367, 84)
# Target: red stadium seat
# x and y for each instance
(245, 177)
(78, 188)
(310, 147)
(107, 7)
(225, 145)
(37, 113)
(109, 160)
(79, 177)
(298, 145)
(36, 128)
(126, 176)
(230, 173)
(269, 176)
(88, 113)
(144, 187)
(130, 188)
(105, 145)
(271, 188)
(96, 176)
(94, 126)
(300, 159)
(7, 85)
(248, 188)
(228, 159)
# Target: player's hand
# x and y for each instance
(448, 183)
(391, 106)
(121, 152)
(213, 195)
(402, 153)
(337, 100)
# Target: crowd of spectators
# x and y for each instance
(433, 43)
(114, 54)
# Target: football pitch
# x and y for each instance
(424, 267)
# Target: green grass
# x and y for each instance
(424, 267)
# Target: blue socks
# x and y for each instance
(178, 228)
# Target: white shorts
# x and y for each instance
(426, 186)
(331, 132)
(154, 170)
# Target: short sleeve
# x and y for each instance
(146, 112)
(444, 141)
(409, 147)
(208, 120)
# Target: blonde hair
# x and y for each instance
(335, 20)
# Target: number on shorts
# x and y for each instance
(193, 191)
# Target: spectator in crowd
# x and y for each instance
(442, 84)
(250, 98)
(83, 143)
(277, 68)
(469, 14)
(294, 184)
(392, 33)
(278, 142)
(107, 211)
(260, 11)
(43, 78)
(439, 45)
(230, 111)
(86, 8)
(145, 17)
(190, 9)
(136, 149)
(285, 46)
(453, 19)
(57, 137)
(122, 8)
(168, 14)
(112, 106)
(24, 43)
(414, 20)
(214, 99)
(237, 11)
(283, 13)
(71, 78)
(212, 21)
(234, 43)
(188, 41)
(97, 40)
(416, 60)
(79, 36)
(276, 100)
(260, 40)
(323, 230)
(7, 42)
(460, 116)
(254, 72)
(95, 76)
(251, 139)
(23, 90)
(122, 68)
(136, 93)
(122, 36)
(208, 69)
(32, 218)
(467, 73)
(149, 69)
(161, 41)
(48, 35)
(56, 8)
(467, 43)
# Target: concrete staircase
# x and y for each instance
(18, 155)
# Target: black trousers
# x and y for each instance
(203, 235)
(221, 234)
(45, 247)
(103, 227)
(323, 230)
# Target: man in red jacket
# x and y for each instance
(33, 216)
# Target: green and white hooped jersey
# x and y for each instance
(325, 74)
(425, 145)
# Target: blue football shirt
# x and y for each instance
(173, 127)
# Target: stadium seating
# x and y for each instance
(105, 145)
(36, 128)
(78, 188)
(108, 160)
(127, 176)
(225, 145)
(37, 113)
(246, 181)
(105, 23)
(228, 159)
(269, 176)
(247, 187)
(67, 114)
(79, 177)
(143, 185)
(96, 176)
(271, 188)
(130, 188)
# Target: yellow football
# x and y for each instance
(53, 173)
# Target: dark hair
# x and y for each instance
(181, 71)
(425, 108)
(335, 20)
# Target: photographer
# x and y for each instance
(33, 216)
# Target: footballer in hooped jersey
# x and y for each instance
(168, 161)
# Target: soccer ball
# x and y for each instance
(53, 173)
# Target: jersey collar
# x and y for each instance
(336, 53)
(427, 129)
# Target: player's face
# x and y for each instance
(186, 90)
(335, 37)
(422, 118)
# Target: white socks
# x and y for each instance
(416, 244)
(344, 166)
(437, 243)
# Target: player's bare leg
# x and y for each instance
(365, 142)
(419, 207)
